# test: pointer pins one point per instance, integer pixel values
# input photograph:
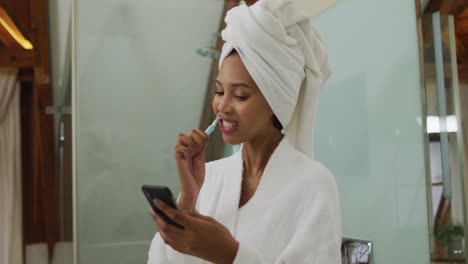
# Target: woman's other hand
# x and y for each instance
(190, 160)
(202, 236)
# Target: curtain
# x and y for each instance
(11, 244)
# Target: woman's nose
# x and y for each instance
(224, 105)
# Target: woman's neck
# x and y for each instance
(257, 152)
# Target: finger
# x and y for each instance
(159, 221)
(164, 237)
(186, 140)
(195, 147)
(160, 226)
(204, 138)
(179, 146)
(183, 140)
(167, 239)
(178, 216)
(168, 229)
(203, 135)
(199, 142)
(152, 213)
(189, 143)
(165, 230)
(173, 243)
(173, 235)
(197, 215)
(181, 151)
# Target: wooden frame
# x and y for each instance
(40, 205)
(452, 7)
(17, 58)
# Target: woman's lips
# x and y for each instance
(229, 129)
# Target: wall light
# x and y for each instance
(11, 28)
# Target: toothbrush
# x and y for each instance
(212, 127)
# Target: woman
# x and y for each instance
(270, 202)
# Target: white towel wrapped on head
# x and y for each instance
(286, 58)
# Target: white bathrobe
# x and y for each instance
(293, 217)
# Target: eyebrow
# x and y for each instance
(235, 84)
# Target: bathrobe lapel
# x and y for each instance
(272, 179)
(228, 204)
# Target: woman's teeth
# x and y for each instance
(229, 125)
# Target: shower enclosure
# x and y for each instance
(138, 81)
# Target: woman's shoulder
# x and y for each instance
(316, 185)
(313, 171)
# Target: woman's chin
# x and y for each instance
(231, 139)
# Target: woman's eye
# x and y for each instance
(238, 97)
(241, 98)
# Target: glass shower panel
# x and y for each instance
(447, 213)
(139, 81)
(369, 130)
(60, 59)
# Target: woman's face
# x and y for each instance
(245, 114)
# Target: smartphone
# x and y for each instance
(163, 193)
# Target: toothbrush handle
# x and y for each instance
(210, 130)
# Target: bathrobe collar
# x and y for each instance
(271, 179)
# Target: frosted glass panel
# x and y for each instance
(368, 130)
(139, 82)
